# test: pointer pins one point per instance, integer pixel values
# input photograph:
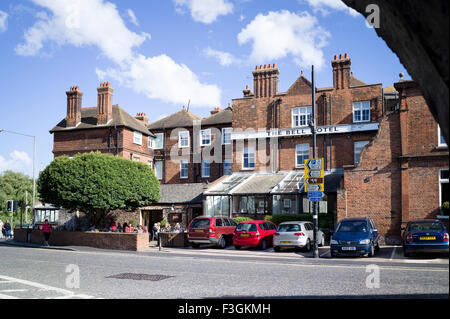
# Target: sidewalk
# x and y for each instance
(12, 242)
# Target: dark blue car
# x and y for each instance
(425, 236)
(355, 237)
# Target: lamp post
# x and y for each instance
(34, 162)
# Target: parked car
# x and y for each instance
(296, 234)
(425, 236)
(355, 236)
(211, 230)
(254, 233)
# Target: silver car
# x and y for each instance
(296, 234)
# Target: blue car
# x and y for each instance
(425, 236)
(355, 237)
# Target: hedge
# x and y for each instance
(242, 219)
(326, 221)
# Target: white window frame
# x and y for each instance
(230, 162)
(286, 203)
(361, 106)
(184, 138)
(300, 150)
(156, 169)
(224, 133)
(150, 142)
(182, 176)
(355, 143)
(136, 159)
(150, 163)
(202, 132)
(440, 144)
(204, 162)
(137, 138)
(250, 151)
(298, 113)
(155, 146)
(442, 181)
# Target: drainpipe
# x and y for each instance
(331, 137)
(324, 97)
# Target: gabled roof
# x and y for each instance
(390, 90)
(89, 121)
(182, 118)
(356, 82)
(300, 86)
(222, 117)
(181, 193)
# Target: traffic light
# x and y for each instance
(10, 206)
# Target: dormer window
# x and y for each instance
(361, 111)
(301, 116)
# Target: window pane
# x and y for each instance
(358, 146)
(227, 167)
(159, 140)
(158, 169)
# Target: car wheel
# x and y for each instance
(308, 245)
(263, 244)
(194, 245)
(222, 242)
(237, 247)
(372, 251)
(276, 248)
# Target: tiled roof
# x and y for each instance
(181, 193)
(356, 82)
(222, 117)
(89, 121)
(262, 184)
(181, 118)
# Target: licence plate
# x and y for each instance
(428, 238)
(245, 235)
(286, 242)
(348, 248)
(199, 230)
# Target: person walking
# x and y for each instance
(46, 230)
(7, 227)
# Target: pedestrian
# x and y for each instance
(46, 230)
(113, 227)
(119, 228)
(125, 227)
(7, 227)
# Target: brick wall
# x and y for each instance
(117, 241)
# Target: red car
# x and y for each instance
(257, 233)
(211, 230)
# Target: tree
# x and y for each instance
(14, 186)
(96, 184)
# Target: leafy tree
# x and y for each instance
(97, 183)
(13, 186)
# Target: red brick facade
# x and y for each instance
(397, 178)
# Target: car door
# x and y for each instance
(310, 231)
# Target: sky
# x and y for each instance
(161, 55)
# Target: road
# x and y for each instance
(213, 273)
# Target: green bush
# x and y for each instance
(325, 220)
(268, 217)
(242, 219)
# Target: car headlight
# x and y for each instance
(364, 242)
(334, 242)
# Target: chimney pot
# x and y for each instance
(340, 56)
(274, 65)
(335, 57)
(346, 55)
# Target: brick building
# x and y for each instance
(403, 173)
(106, 128)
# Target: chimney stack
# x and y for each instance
(73, 117)
(142, 117)
(265, 81)
(216, 110)
(104, 103)
(341, 71)
(247, 92)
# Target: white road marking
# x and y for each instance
(393, 253)
(13, 290)
(41, 287)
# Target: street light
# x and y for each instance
(34, 161)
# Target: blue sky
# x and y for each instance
(158, 55)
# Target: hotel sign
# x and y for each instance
(305, 131)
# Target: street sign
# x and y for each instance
(315, 199)
(315, 194)
(315, 174)
(314, 180)
(314, 164)
(314, 188)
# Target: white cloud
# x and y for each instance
(133, 18)
(205, 11)
(80, 23)
(279, 34)
(18, 161)
(323, 6)
(98, 23)
(224, 58)
(162, 78)
(3, 21)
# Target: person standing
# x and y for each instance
(7, 227)
(46, 230)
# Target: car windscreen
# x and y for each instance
(285, 228)
(359, 226)
(431, 226)
(200, 223)
(246, 227)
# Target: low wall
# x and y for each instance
(119, 241)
